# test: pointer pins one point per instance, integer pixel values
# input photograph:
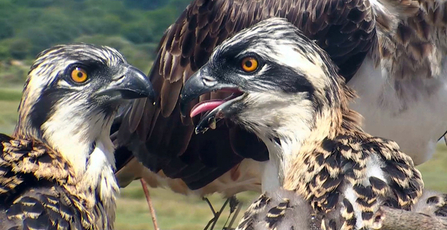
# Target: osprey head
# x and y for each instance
(279, 77)
(73, 92)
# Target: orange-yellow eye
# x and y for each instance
(249, 64)
(79, 75)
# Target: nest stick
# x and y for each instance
(149, 203)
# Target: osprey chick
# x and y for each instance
(57, 170)
(288, 92)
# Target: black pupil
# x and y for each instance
(80, 74)
(248, 64)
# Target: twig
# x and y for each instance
(396, 219)
(238, 209)
(149, 203)
(219, 213)
(214, 220)
(212, 210)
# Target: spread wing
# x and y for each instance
(163, 140)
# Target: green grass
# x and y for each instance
(434, 171)
(179, 212)
(173, 211)
(9, 101)
(10, 94)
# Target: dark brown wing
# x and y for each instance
(157, 134)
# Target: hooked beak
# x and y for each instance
(199, 83)
(131, 85)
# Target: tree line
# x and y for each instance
(134, 27)
(29, 26)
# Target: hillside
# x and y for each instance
(133, 27)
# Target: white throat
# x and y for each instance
(290, 120)
(280, 159)
(290, 126)
(87, 148)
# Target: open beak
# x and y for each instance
(130, 85)
(199, 83)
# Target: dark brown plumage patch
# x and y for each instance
(379, 186)
(276, 214)
(348, 214)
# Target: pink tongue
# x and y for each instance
(205, 106)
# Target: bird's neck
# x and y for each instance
(298, 139)
(87, 148)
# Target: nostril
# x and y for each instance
(208, 81)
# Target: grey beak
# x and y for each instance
(133, 84)
(199, 83)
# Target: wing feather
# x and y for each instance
(412, 36)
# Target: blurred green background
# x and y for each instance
(134, 28)
(29, 26)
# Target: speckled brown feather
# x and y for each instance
(187, 45)
(38, 190)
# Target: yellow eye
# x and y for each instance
(79, 75)
(249, 64)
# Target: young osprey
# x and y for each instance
(392, 53)
(288, 92)
(57, 170)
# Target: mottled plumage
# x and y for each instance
(57, 170)
(316, 145)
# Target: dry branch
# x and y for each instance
(149, 203)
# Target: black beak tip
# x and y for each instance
(209, 120)
(201, 128)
